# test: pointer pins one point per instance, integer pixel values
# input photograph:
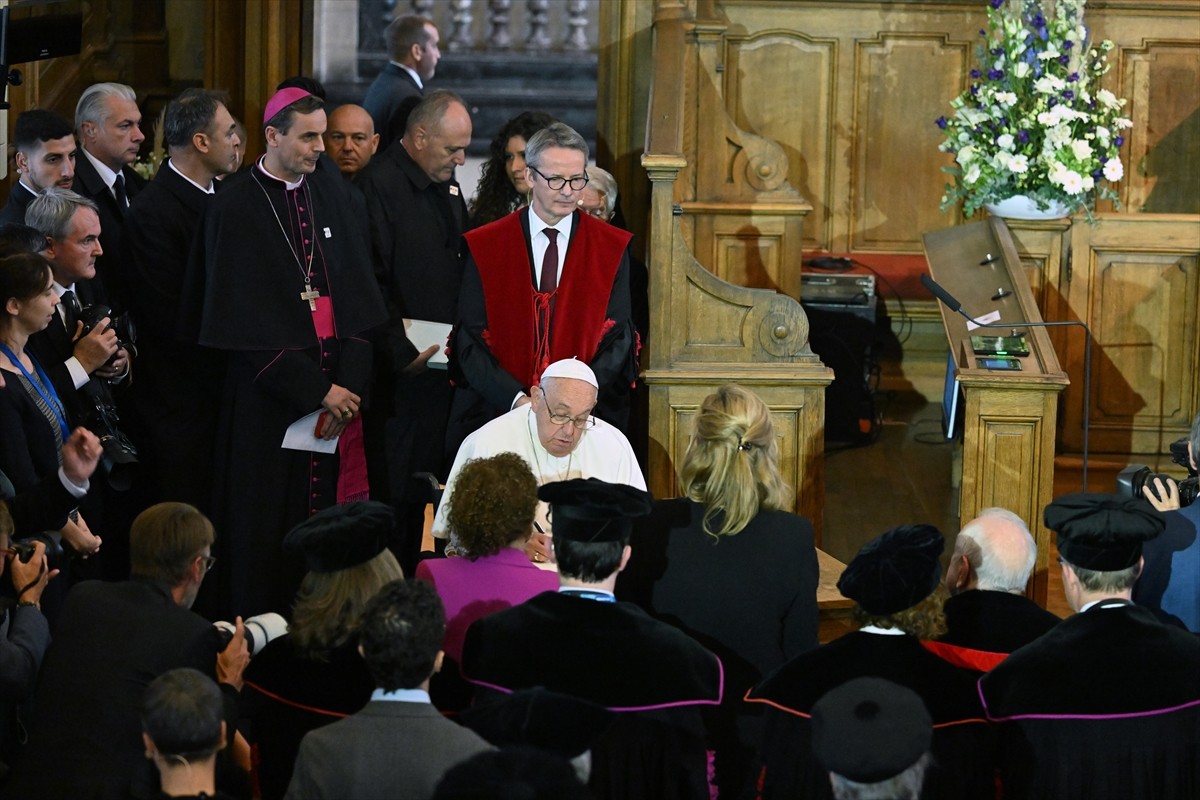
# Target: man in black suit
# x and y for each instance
(108, 123)
(413, 50)
(987, 614)
(45, 157)
(71, 225)
(176, 392)
(112, 640)
(418, 215)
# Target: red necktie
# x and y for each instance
(549, 279)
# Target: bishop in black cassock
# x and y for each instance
(289, 295)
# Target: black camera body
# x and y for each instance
(121, 324)
(1134, 477)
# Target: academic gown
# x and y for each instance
(278, 371)
(614, 655)
(177, 391)
(287, 695)
(1105, 706)
(495, 356)
(983, 627)
(962, 747)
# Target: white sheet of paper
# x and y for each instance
(299, 436)
(990, 318)
(422, 333)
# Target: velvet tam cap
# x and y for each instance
(870, 729)
(895, 570)
(342, 536)
(1102, 532)
(592, 510)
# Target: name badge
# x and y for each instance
(454, 190)
(328, 235)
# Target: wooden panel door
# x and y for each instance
(1135, 279)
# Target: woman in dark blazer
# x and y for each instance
(728, 564)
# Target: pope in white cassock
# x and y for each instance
(557, 436)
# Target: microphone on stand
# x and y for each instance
(952, 303)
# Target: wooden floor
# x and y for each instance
(905, 477)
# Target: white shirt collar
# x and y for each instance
(59, 288)
(290, 186)
(206, 189)
(411, 71)
(107, 175)
(884, 631)
(401, 696)
(563, 226)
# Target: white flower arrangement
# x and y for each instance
(1033, 121)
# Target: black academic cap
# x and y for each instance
(1102, 532)
(564, 725)
(895, 570)
(342, 536)
(592, 510)
(870, 729)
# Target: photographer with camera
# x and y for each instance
(111, 641)
(1170, 582)
(24, 631)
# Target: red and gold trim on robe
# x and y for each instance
(580, 303)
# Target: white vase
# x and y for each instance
(1021, 207)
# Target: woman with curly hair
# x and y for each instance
(492, 511)
(502, 186)
(727, 562)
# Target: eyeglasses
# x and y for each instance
(208, 562)
(581, 423)
(557, 183)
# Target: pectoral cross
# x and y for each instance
(310, 294)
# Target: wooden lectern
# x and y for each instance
(1009, 418)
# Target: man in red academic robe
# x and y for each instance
(517, 315)
(290, 297)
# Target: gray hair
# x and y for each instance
(51, 212)
(603, 182)
(998, 566)
(1109, 581)
(905, 786)
(92, 105)
(556, 135)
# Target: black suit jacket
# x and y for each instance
(19, 199)
(112, 219)
(111, 641)
(42, 508)
(54, 345)
(389, 99)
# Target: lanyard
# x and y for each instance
(51, 399)
(600, 597)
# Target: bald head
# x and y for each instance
(994, 552)
(350, 138)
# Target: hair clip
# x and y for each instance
(744, 446)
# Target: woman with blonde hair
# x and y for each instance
(728, 563)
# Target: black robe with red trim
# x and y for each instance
(496, 349)
(962, 741)
(983, 627)
(1105, 706)
(287, 695)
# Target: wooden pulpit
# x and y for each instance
(1009, 418)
